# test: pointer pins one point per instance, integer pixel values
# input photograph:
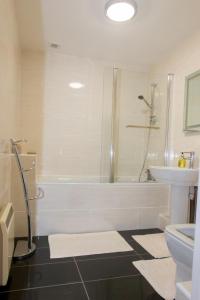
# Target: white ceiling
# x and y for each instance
(81, 28)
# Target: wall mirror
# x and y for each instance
(192, 102)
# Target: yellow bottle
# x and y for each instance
(182, 161)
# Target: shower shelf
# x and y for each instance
(142, 126)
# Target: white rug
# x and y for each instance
(161, 274)
(155, 244)
(68, 245)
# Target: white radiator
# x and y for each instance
(6, 241)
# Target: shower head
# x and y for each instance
(141, 97)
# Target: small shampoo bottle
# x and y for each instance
(182, 161)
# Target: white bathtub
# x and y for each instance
(86, 207)
(89, 179)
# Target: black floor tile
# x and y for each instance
(146, 256)
(106, 255)
(41, 275)
(64, 292)
(129, 288)
(107, 268)
(41, 256)
(41, 241)
(127, 234)
(109, 276)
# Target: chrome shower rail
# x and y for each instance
(170, 82)
(25, 248)
(114, 142)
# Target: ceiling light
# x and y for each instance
(76, 85)
(120, 10)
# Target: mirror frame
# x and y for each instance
(193, 128)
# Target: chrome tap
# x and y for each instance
(190, 158)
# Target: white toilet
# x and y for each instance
(180, 241)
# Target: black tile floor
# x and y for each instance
(95, 277)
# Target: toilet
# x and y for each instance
(180, 241)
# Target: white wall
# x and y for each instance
(9, 91)
(183, 61)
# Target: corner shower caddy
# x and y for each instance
(25, 248)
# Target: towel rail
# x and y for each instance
(25, 248)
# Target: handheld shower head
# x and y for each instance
(141, 97)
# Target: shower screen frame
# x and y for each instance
(115, 124)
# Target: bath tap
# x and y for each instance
(149, 176)
(18, 141)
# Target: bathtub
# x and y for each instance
(70, 207)
(89, 179)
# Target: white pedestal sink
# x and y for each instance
(180, 180)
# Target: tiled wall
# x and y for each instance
(71, 129)
(157, 137)
(9, 92)
(183, 61)
(132, 111)
(94, 207)
(67, 123)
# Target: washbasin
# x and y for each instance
(180, 181)
(175, 175)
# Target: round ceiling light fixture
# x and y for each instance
(120, 10)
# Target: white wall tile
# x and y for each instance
(181, 62)
(148, 217)
(73, 131)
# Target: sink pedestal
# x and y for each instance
(179, 204)
(179, 180)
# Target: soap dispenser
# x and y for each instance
(182, 161)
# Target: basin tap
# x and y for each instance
(190, 157)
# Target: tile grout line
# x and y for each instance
(42, 264)
(134, 255)
(40, 287)
(116, 277)
(81, 279)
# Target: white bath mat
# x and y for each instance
(68, 245)
(161, 274)
(155, 244)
